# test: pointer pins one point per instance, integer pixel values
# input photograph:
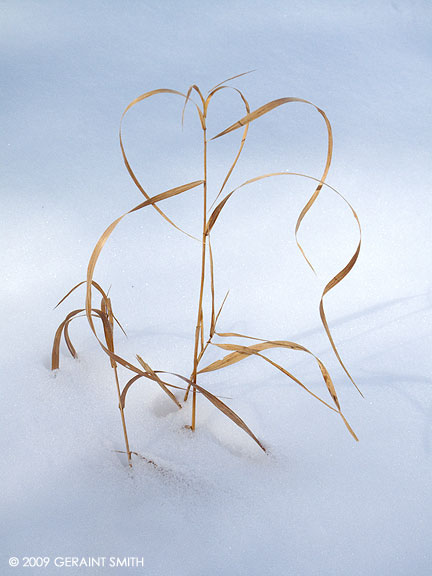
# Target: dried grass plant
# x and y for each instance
(204, 335)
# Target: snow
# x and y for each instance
(318, 503)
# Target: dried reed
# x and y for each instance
(210, 216)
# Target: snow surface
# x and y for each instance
(319, 503)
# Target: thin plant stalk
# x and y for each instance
(199, 327)
(110, 342)
(123, 419)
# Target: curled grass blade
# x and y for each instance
(68, 341)
(333, 282)
(194, 87)
(261, 111)
(336, 279)
(103, 239)
(243, 140)
(241, 352)
(55, 354)
(64, 329)
(125, 160)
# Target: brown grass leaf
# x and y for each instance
(268, 108)
(334, 281)
(232, 78)
(126, 162)
(228, 412)
(241, 352)
(194, 87)
(158, 380)
(243, 140)
(95, 284)
(103, 239)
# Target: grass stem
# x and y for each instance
(123, 419)
(199, 327)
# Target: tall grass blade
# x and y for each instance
(268, 108)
